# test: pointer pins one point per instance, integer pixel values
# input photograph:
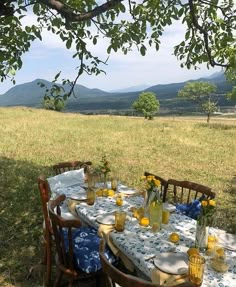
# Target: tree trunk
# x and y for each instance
(208, 118)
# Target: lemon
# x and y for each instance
(119, 201)
(144, 221)
(105, 192)
(174, 237)
(99, 192)
(192, 251)
(110, 192)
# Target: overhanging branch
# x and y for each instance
(205, 36)
(74, 16)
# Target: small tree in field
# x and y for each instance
(148, 104)
(203, 93)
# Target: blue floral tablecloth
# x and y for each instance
(140, 244)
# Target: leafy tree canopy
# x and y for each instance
(126, 24)
(148, 104)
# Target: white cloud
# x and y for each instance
(48, 57)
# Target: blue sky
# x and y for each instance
(48, 57)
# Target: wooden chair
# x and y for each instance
(185, 191)
(162, 180)
(65, 258)
(70, 165)
(114, 275)
(47, 229)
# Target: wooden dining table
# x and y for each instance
(147, 250)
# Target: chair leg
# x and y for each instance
(48, 263)
(58, 279)
(44, 260)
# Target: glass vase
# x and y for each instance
(155, 215)
(153, 208)
(104, 179)
(201, 235)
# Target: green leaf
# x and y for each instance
(143, 50)
(94, 40)
(57, 76)
(36, 8)
(68, 43)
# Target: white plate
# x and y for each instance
(173, 263)
(78, 196)
(108, 218)
(125, 189)
(169, 206)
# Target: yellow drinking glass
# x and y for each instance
(165, 216)
(91, 196)
(196, 269)
(114, 184)
(120, 218)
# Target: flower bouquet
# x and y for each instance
(152, 203)
(103, 169)
(203, 222)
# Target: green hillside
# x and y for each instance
(95, 100)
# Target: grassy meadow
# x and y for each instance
(172, 147)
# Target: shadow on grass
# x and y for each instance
(20, 223)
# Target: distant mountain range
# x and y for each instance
(95, 100)
(131, 89)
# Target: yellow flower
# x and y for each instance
(150, 177)
(157, 182)
(143, 177)
(212, 202)
(204, 203)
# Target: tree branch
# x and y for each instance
(205, 36)
(6, 9)
(70, 14)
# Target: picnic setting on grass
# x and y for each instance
(161, 234)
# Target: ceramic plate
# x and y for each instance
(108, 218)
(78, 196)
(173, 263)
(227, 240)
(124, 189)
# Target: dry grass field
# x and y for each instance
(172, 147)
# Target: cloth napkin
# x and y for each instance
(165, 279)
(104, 232)
(227, 240)
(72, 205)
(192, 209)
